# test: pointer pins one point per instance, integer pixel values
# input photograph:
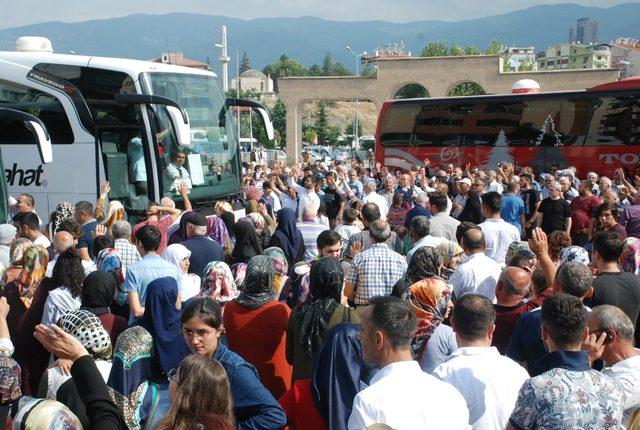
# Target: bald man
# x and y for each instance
(513, 285)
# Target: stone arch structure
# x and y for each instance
(437, 74)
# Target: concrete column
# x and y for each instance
(294, 131)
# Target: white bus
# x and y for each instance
(29, 129)
(119, 120)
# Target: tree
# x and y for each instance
(495, 48)
(279, 119)
(244, 63)
(435, 49)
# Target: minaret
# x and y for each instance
(224, 59)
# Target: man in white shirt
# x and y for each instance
(310, 229)
(419, 231)
(488, 381)
(29, 227)
(611, 337)
(396, 395)
(442, 225)
(371, 196)
(498, 233)
(478, 274)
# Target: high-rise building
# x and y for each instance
(586, 32)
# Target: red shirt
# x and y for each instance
(508, 316)
(298, 404)
(581, 212)
(161, 225)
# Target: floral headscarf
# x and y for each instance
(218, 282)
(257, 289)
(574, 253)
(34, 268)
(630, 257)
(518, 248)
(429, 300)
(10, 380)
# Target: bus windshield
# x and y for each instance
(210, 166)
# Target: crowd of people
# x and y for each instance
(339, 297)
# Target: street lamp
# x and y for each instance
(356, 140)
(219, 45)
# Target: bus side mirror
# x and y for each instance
(180, 125)
(42, 139)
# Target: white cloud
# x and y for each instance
(17, 13)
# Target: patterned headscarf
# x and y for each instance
(217, 230)
(429, 300)
(517, 249)
(128, 383)
(17, 250)
(574, 253)
(425, 263)
(34, 267)
(63, 212)
(10, 380)
(279, 260)
(87, 328)
(218, 282)
(43, 414)
(449, 249)
(257, 289)
(630, 257)
(326, 280)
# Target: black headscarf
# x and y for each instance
(98, 290)
(325, 285)
(247, 243)
(257, 289)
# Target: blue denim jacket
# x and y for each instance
(253, 405)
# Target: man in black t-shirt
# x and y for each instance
(611, 286)
(531, 200)
(554, 211)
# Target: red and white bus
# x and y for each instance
(595, 129)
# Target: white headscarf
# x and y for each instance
(189, 284)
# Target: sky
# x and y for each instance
(23, 12)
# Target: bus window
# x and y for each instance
(44, 106)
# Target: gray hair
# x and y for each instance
(198, 230)
(379, 231)
(121, 230)
(574, 278)
(422, 198)
(610, 317)
(84, 206)
(420, 226)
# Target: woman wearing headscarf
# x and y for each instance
(280, 279)
(218, 282)
(287, 237)
(98, 292)
(189, 284)
(63, 212)
(68, 276)
(430, 299)
(130, 385)
(180, 235)
(256, 326)
(26, 296)
(426, 262)
(630, 257)
(247, 243)
(16, 258)
(452, 254)
(55, 384)
(162, 320)
(310, 321)
(339, 373)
